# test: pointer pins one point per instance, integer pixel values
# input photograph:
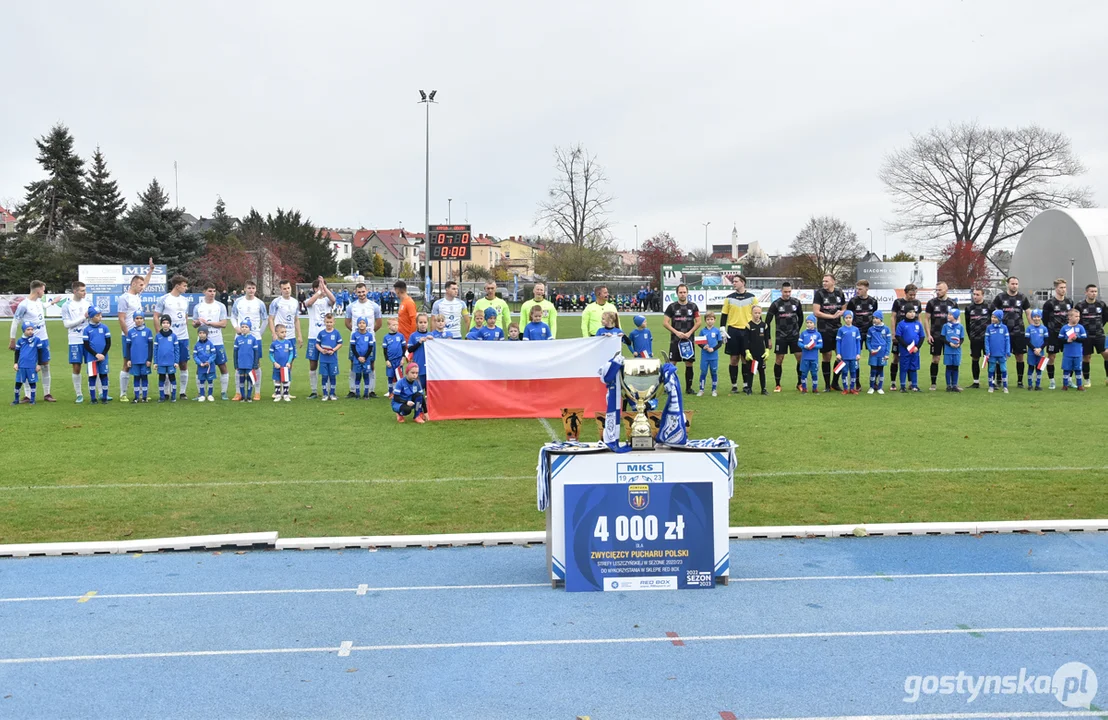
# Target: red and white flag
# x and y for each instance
(701, 340)
(93, 368)
(753, 367)
(912, 347)
(1041, 364)
(1071, 334)
(254, 376)
(839, 366)
(517, 380)
(984, 360)
(811, 344)
(284, 374)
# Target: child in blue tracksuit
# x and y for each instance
(476, 332)
(204, 353)
(1073, 336)
(810, 344)
(138, 355)
(490, 331)
(1037, 336)
(642, 342)
(879, 340)
(416, 342)
(953, 335)
(363, 351)
(998, 346)
(282, 352)
(246, 352)
(98, 341)
(327, 343)
(709, 340)
(167, 353)
(393, 345)
(909, 337)
(848, 348)
(26, 361)
(536, 329)
(407, 395)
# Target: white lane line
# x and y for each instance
(577, 641)
(953, 716)
(344, 648)
(364, 588)
(507, 478)
(549, 430)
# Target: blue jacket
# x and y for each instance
(393, 344)
(328, 339)
(953, 334)
(879, 340)
(360, 344)
(166, 350)
(1037, 336)
(997, 341)
(488, 333)
(807, 337)
(202, 352)
(417, 350)
(26, 352)
(247, 351)
(848, 342)
(536, 331)
(1076, 348)
(907, 333)
(642, 341)
(403, 391)
(138, 346)
(282, 352)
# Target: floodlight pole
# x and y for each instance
(427, 99)
(706, 237)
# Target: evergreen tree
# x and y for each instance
(27, 257)
(361, 260)
(315, 254)
(153, 228)
(100, 239)
(55, 207)
(378, 265)
(221, 221)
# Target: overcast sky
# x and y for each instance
(755, 114)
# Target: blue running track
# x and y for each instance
(807, 628)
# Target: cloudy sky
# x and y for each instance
(749, 114)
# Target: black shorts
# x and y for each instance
(736, 342)
(1054, 346)
(675, 352)
(785, 346)
(830, 337)
(1019, 344)
(937, 345)
(976, 348)
(1094, 345)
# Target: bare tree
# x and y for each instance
(826, 246)
(979, 186)
(701, 257)
(576, 207)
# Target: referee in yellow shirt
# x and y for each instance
(738, 308)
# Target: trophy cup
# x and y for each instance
(641, 379)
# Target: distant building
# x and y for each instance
(518, 256)
(341, 248)
(203, 225)
(397, 246)
(7, 222)
(736, 252)
(1071, 244)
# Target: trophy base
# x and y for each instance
(642, 443)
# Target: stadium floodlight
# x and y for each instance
(422, 96)
(427, 99)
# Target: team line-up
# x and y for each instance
(837, 331)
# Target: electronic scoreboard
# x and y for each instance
(449, 242)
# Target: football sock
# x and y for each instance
(1019, 371)
(776, 374)
(77, 384)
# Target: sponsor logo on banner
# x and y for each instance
(665, 582)
(638, 496)
(698, 578)
(640, 472)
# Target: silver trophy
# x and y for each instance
(641, 378)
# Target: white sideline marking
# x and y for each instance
(401, 481)
(576, 641)
(364, 589)
(549, 430)
(344, 648)
(953, 716)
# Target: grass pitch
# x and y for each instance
(81, 472)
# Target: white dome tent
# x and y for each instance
(1055, 237)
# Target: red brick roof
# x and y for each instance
(332, 235)
(392, 239)
(6, 217)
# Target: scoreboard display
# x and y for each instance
(449, 242)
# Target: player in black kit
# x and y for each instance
(1094, 313)
(682, 319)
(1017, 312)
(901, 307)
(1055, 311)
(787, 312)
(828, 305)
(937, 312)
(978, 317)
(863, 306)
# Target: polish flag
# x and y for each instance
(839, 366)
(912, 347)
(701, 340)
(254, 376)
(753, 367)
(984, 360)
(1071, 334)
(517, 380)
(93, 368)
(284, 374)
(1041, 365)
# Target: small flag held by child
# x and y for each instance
(285, 374)
(92, 368)
(1041, 364)
(912, 347)
(839, 366)
(254, 376)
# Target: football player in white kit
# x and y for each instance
(363, 307)
(285, 310)
(32, 310)
(176, 306)
(211, 315)
(251, 307)
(319, 304)
(453, 308)
(127, 305)
(75, 318)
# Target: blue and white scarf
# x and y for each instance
(671, 429)
(542, 475)
(610, 374)
(718, 443)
